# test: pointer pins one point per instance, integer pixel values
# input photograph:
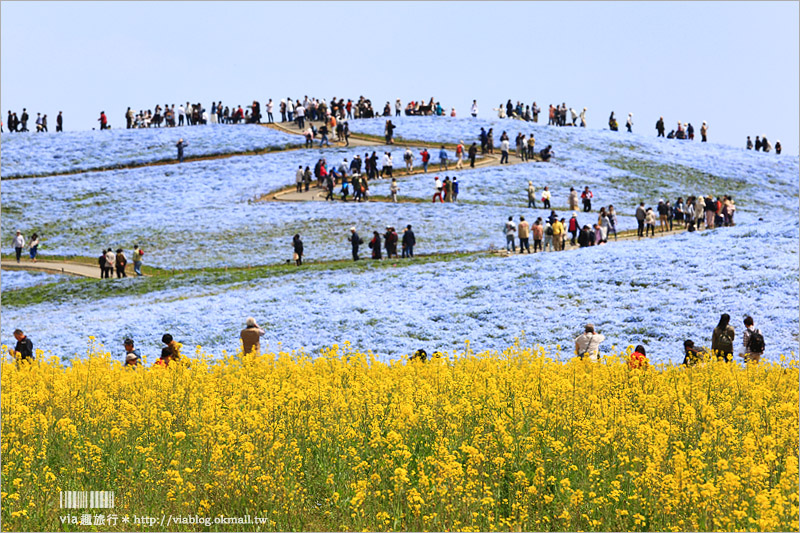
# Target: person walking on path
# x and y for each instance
(323, 132)
(408, 242)
(548, 237)
(509, 228)
(558, 235)
(460, 155)
(297, 244)
(375, 245)
(641, 214)
(119, 262)
(573, 227)
(355, 242)
(34, 247)
(473, 152)
(722, 339)
(102, 262)
(251, 337)
(137, 259)
(504, 151)
(538, 231)
(587, 345)
(23, 351)
(111, 260)
(408, 159)
(181, 145)
(752, 342)
(612, 220)
(442, 158)
(650, 222)
(298, 178)
(426, 157)
(531, 195)
(437, 184)
(490, 140)
(524, 235)
(19, 243)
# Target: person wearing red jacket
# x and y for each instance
(103, 120)
(573, 228)
(426, 157)
(587, 195)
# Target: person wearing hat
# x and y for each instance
(132, 355)
(19, 243)
(181, 144)
(587, 345)
(704, 132)
(355, 241)
(251, 337)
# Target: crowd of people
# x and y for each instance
(762, 144)
(388, 241)
(550, 233)
(20, 124)
(109, 261)
(696, 213)
(587, 344)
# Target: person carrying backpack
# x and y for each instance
(722, 339)
(752, 341)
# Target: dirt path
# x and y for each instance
(315, 193)
(56, 267)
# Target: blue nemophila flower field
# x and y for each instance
(47, 153)
(22, 279)
(657, 292)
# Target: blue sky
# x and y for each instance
(733, 64)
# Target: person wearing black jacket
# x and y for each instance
(298, 250)
(375, 245)
(24, 348)
(408, 242)
(473, 152)
(390, 241)
(24, 120)
(60, 122)
(355, 240)
(585, 237)
(660, 127)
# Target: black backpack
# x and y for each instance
(756, 342)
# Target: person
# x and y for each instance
(585, 237)
(251, 337)
(137, 259)
(699, 210)
(19, 243)
(778, 148)
(752, 342)
(504, 151)
(611, 214)
(409, 240)
(758, 143)
(629, 123)
(650, 222)
(662, 215)
(454, 187)
(612, 122)
(558, 235)
(474, 110)
(490, 140)
(722, 339)
(426, 157)
(23, 351)
(531, 195)
(442, 158)
(473, 153)
(59, 122)
(524, 235)
(389, 132)
(691, 355)
(393, 190)
(749, 143)
(538, 232)
(765, 144)
(531, 146)
(297, 244)
(388, 165)
(437, 184)
(587, 196)
(270, 107)
(460, 155)
(638, 359)
(323, 132)
(509, 228)
(573, 227)
(548, 237)
(390, 242)
(375, 245)
(547, 153)
(572, 200)
(355, 241)
(119, 262)
(171, 352)
(103, 120)
(132, 355)
(704, 132)
(408, 159)
(34, 247)
(397, 107)
(587, 345)
(181, 144)
(660, 127)
(298, 179)
(111, 261)
(546, 198)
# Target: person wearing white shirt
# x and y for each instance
(270, 105)
(504, 146)
(474, 108)
(290, 109)
(19, 243)
(587, 345)
(181, 115)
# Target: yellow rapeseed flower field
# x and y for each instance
(517, 440)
